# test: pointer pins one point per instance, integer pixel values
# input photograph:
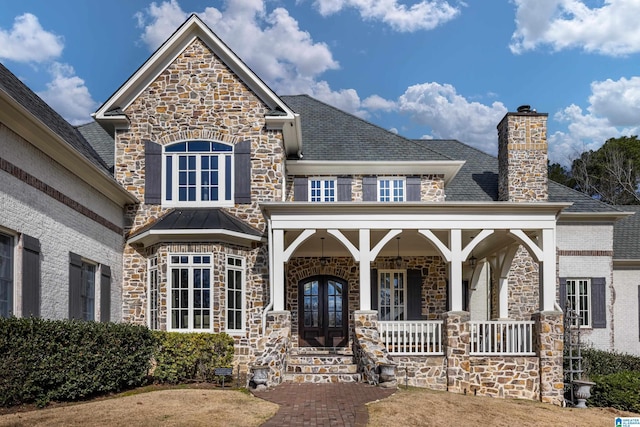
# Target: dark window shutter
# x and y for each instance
(242, 174)
(598, 302)
(153, 173)
(75, 286)
(105, 293)
(300, 189)
(344, 188)
(563, 294)
(413, 189)
(374, 289)
(369, 188)
(30, 276)
(414, 295)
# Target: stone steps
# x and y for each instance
(309, 365)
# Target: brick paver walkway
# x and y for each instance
(322, 404)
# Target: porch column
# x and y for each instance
(278, 270)
(365, 269)
(455, 271)
(548, 271)
(503, 297)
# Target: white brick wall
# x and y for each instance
(59, 228)
(596, 237)
(626, 309)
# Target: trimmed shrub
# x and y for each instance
(620, 390)
(598, 362)
(63, 360)
(184, 357)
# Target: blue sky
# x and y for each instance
(423, 68)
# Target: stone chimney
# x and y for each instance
(522, 156)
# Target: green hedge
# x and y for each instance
(617, 378)
(191, 357)
(43, 360)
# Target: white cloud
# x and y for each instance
(611, 29)
(450, 115)
(376, 102)
(29, 42)
(613, 111)
(68, 95)
(271, 43)
(424, 15)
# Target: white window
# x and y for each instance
(322, 189)
(88, 291)
(198, 173)
(235, 294)
(391, 189)
(190, 292)
(6, 275)
(154, 293)
(392, 291)
(579, 299)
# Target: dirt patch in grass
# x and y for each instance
(420, 407)
(175, 407)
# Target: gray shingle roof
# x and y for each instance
(332, 134)
(626, 234)
(202, 219)
(478, 179)
(100, 140)
(10, 84)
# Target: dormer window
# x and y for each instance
(198, 173)
(391, 189)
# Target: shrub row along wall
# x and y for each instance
(62, 360)
(617, 378)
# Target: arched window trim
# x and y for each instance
(198, 173)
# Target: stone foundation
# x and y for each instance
(368, 350)
(549, 345)
(505, 377)
(456, 329)
(273, 348)
(422, 371)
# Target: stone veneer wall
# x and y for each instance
(273, 348)
(368, 349)
(422, 371)
(523, 287)
(549, 345)
(431, 188)
(456, 350)
(505, 376)
(197, 97)
(522, 157)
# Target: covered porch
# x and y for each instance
(463, 310)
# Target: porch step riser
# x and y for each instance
(322, 369)
(322, 378)
(320, 360)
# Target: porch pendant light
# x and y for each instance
(323, 261)
(473, 261)
(398, 258)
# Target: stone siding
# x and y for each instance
(523, 288)
(198, 97)
(431, 188)
(422, 371)
(548, 343)
(505, 377)
(522, 158)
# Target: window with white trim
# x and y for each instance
(197, 173)
(154, 293)
(189, 302)
(392, 291)
(579, 299)
(322, 189)
(235, 294)
(391, 189)
(6, 275)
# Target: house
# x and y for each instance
(61, 215)
(329, 248)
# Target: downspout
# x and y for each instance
(270, 304)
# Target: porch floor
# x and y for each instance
(322, 404)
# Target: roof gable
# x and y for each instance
(111, 114)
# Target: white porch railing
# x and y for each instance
(502, 338)
(412, 337)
